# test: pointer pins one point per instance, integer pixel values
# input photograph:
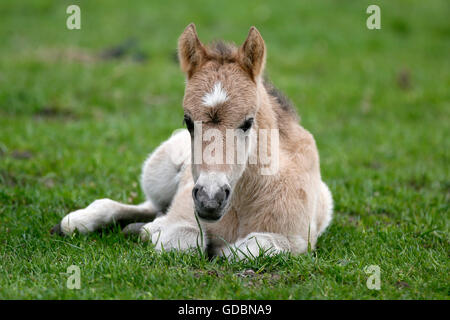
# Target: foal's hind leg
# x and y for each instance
(160, 179)
(102, 213)
(178, 228)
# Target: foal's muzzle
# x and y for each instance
(210, 207)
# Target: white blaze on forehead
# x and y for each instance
(217, 96)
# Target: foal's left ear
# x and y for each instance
(252, 53)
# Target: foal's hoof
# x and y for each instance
(57, 230)
(133, 228)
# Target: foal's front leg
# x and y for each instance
(178, 229)
(102, 213)
(255, 244)
(173, 235)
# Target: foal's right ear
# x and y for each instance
(191, 51)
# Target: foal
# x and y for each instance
(236, 208)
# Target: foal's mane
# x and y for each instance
(222, 52)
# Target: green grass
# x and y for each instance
(75, 128)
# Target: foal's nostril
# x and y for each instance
(227, 191)
(222, 196)
(195, 192)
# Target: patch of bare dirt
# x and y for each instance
(402, 284)
(53, 112)
(126, 50)
(404, 79)
(21, 154)
(8, 179)
(70, 54)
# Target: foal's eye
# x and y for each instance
(189, 124)
(246, 125)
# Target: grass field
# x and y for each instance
(78, 115)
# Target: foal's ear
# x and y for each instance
(190, 50)
(252, 53)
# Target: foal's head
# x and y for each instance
(220, 106)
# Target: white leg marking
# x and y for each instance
(327, 199)
(255, 244)
(102, 213)
(166, 235)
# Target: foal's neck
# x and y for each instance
(266, 120)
